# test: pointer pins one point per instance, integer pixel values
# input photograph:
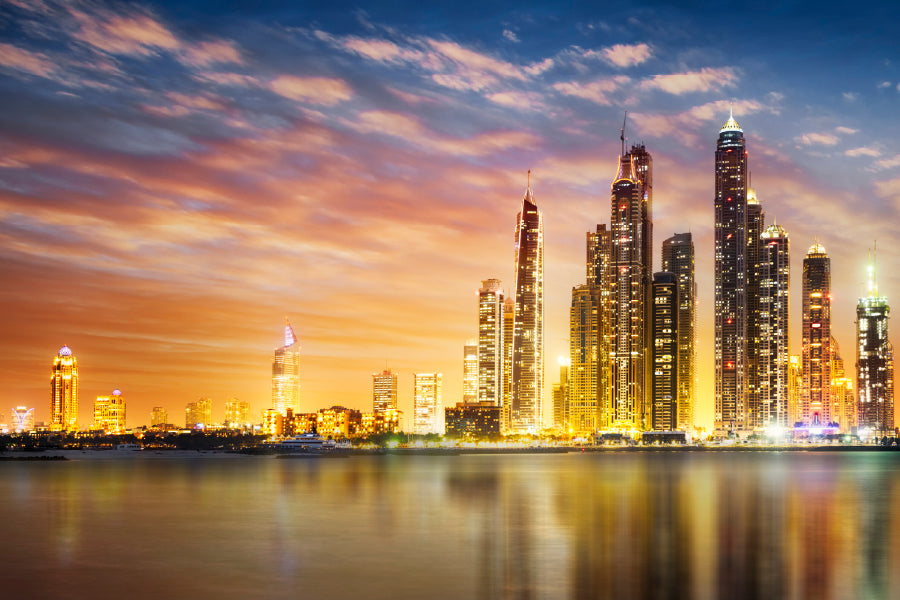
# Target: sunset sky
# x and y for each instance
(176, 180)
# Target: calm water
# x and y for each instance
(614, 525)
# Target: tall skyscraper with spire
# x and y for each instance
(774, 270)
(730, 346)
(64, 391)
(527, 393)
(286, 373)
(815, 395)
(874, 360)
(678, 258)
(490, 342)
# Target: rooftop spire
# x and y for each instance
(873, 282)
(529, 194)
(289, 338)
(731, 124)
(622, 132)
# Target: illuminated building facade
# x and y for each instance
(380, 423)
(286, 374)
(678, 258)
(815, 403)
(561, 398)
(843, 401)
(629, 280)
(384, 391)
(795, 387)
(237, 413)
(64, 391)
(772, 379)
(527, 393)
(490, 342)
(198, 415)
(730, 325)
(470, 371)
(584, 351)
(272, 422)
(755, 228)
(874, 361)
(473, 421)
(338, 422)
(664, 317)
(598, 277)
(22, 420)
(159, 416)
(427, 405)
(109, 413)
(509, 319)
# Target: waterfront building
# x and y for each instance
(509, 319)
(272, 422)
(237, 413)
(473, 421)
(22, 420)
(843, 401)
(874, 361)
(295, 424)
(795, 386)
(338, 422)
(380, 423)
(755, 229)
(815, 402)
(561, 398)
(427, 403)
(678, 258)
(772, 379)
(109, 413)
(159, 416)
(384, 391)
(630, 269)
(730, 282)
(490, 342)
(470, 371)
(599, 246)
(527, 393)
(584, 353)
(64, 391)
(665, 305)
(286, 373)
(198, 415)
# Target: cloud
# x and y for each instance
(884, 84)
(205, 54)
(596, 91)
(623, 55)
(519, 100)
(888, 163)
(684, 124)
(325, 91)
(380, 50)
(818, 139)
(138, 34)
(23, 60)
(850, 96)
(704, 80)
(540, 67)
(846, 130)
(863, 151)
(511, 35)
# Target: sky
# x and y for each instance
(176, 180)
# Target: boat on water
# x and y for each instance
(309, 444)
(129, 448)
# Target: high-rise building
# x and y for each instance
(730, 346)
(527, 394)
(755, 228)
(599, 246)
(666, 304)
(628, 284)
(159, 416)
(490, 342)
(22, 420)
(678, 258)
(286, 373)
(109, 413)
(470, 371)
(772, 343)
(427, 405)
(384, 391)
(237, 413)
(64, 391)
(874, 361)
(584, 354)
(561, 398)
(509, 319)
(815, 403)
(198, 415)
(843, 402)
(795, 387)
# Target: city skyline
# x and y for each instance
(172, 187)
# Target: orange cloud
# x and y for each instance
(326, 91)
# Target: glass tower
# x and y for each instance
(64, 391)
(678, 258)
(815, 395)
(774, 268)
(490, 342)
(286, 374)
(874, 361)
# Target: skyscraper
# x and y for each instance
(490, 342)
(237, 413)
(774, 271)
(109, 413)
(384, 391)
(665, 353)
(527, 394)
(509, 319)
(628, 285)
(599, 246)
(815, 403)
(470, 371)
(584, 349)
(678, 258)
(64, 391)
(286, 374)
(22, 420)
(755, 228)
(159, 416)
(731, 279)
(427, 407)
(874, 361)
(198, 415)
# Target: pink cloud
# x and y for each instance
(704, 80)
(596, 91)
(624, 55)
(818, 139)
(23, 60)
(863, 151)
(205, 54)
(138, 34)
(325, 91)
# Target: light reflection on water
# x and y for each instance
(610, 525)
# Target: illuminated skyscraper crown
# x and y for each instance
(731, 124)
(816, 248)
(65, 351)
